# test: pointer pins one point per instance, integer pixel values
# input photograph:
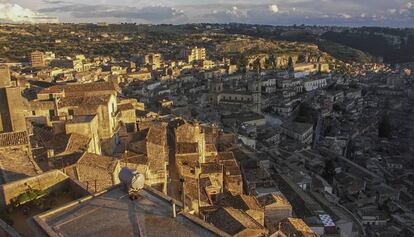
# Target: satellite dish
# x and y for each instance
(131, 180)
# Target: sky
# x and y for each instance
(393, 13)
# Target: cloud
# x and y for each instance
(17, 14)
(274, 8)
(53, 2)
(152, 14)
(326, 12)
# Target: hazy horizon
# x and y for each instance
(352, 13)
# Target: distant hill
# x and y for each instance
(393, 45)
(347, 44)
(339, 51)
(344, 53)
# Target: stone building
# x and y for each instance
(105, 109)
(250, 97)
(150, 155)
(75, 104)
(232, 178)
(301, 132)
(16, 159)
(249, 204)
(190, 149)
(276, 208)
(13, 109)
(194, 54)
(292, 227)
(207, 173)
(37, 59)
(96, 172)
(236, 222)
(5, 79)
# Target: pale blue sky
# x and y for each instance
(327, 12)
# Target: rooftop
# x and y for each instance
(234, 221)
(79, 88)
(112, 213)
(274, 199)
(17, 164)
(94, 100)
(186, 147)
(296, 127)
(82, 119)
(300, 226)
(13, 139)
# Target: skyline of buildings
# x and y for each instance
(231, 134)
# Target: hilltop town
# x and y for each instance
(235, 134)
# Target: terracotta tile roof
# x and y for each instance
(251, 202)
(68, 143)
(229, 162)
(187, 160)
(135, 158)
(226, 156)
(84, 100)
(208, 168)
(96, 171)
(42, 134)
(191, 188)
(186, 148)
(157, 135)
(123, 107)
(42, 104)
(77, 142)
(13, 139)
(140, 135)
(301, 228)
(57, 142)
(16, 165)
(233, 221)
(65, 160)
(79, 88)
(211, 148)
(99, 161)
(242, 202)
(274, 199)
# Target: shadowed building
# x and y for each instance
(5, 80)
(12, 109)
(236, 222)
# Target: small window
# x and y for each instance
(33, 113)
(50, 96)
(71, 112)
(51, 114)
(130, 127)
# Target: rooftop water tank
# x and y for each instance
(131, 179)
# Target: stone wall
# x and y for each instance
(50, 181)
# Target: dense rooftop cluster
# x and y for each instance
(235, 136)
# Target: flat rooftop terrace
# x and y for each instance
(112, 213)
